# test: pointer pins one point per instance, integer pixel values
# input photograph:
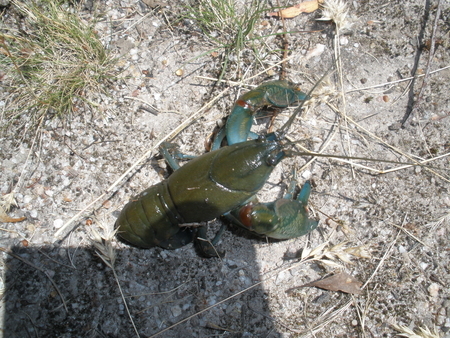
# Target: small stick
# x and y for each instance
(396, 81)
(427, 73)
(251, 77)
(285, 45)
(386, 254)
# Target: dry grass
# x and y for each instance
(229, 30)
(105, 250)
(54, 69)
(422, 332)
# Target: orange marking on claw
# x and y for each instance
(245, 215)
(243, 104)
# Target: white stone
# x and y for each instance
(401, 249)
(306, 174)
(343, 40)
(58, 223)
(433, 290)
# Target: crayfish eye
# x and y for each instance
(272, 160)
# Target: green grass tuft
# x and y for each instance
(225, 27)
(54, 65)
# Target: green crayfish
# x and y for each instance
(222, 182)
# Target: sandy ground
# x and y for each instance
(61, 288)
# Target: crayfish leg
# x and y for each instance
(171, 154)
(304, 193)
(206, 247)
(239, 123)
(218, 139)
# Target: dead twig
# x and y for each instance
(427, 72)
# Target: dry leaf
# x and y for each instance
(338, 282)
(6, 219)
(292, 12)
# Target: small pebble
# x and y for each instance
(447, 322)
(27, 198)
(343, 41)
(401, 249)
(306, 174)
(423, 265)
(433, 290)
(58, 223)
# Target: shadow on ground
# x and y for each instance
(70, 292)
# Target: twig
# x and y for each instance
(337, 52)
(285, 45)
(148, 104)
(207, 309)
(107, 254)
(229, 82)
(327, 318)
(396, 81)
(388, 145)
(17, 187)
(427, 73)
(125, 302)
(409, 234)
(251, 77)
(388, 251)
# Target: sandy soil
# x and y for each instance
(61, 288)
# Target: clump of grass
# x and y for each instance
(336, 11)
(422, 332)
(54, 65)
(226, 27)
